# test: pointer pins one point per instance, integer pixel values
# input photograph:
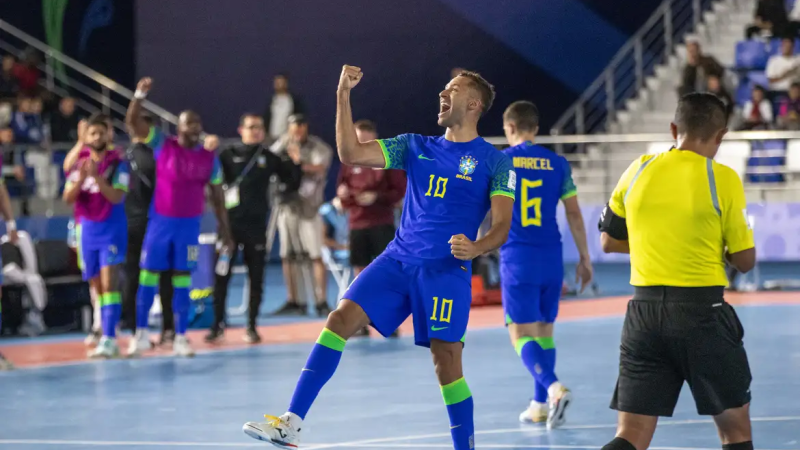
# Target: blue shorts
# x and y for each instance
(438, 300)
(171, 243)
(528, 298)
(98, 253)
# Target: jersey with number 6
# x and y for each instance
(449, 192)
(543, 179)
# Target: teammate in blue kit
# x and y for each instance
(425, 272)
(531, 260)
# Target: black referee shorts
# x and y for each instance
(368, 243)
(672, 335)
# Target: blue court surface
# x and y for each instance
(384, 395)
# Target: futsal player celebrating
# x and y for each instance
(425, 271)
(531, 260)
(97, 188)
(677, 213)
(11, 230)
(184, 166)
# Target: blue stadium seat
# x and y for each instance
(751, 55)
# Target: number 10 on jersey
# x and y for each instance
(441, 187)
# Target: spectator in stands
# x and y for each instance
(757, 112)
(789, 112)
(698, 68)
(770, 20)
(64, 123)
(782, 70)
(27, 72)
(14, 168)
(299, 224)
(714, 86)
(370, 197)
(282, 105)
(27, 123)
(335, 233)
(9, 86)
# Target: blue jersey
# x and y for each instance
(449, 192)
(543, 179)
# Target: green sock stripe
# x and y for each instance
(331, 340)
(546, 343)
(456, 392)
(182, 281)
(148, 279)
(112, 298)
(521, 343)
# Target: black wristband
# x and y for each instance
(612, 224)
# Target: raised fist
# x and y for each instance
(350, 77)
(145, 84)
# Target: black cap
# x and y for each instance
(299, 119)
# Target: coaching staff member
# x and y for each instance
(677, 214)
(247, 168)
(137, 206)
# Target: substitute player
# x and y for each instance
(679, 214)
(425, 271)
(11, 230)
(531, 260)
(97, 187)
(184, 167)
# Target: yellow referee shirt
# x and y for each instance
(682, 210)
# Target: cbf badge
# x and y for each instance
(231, 197)
(262, 161)
(467, 167)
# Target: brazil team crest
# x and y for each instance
(467, 165)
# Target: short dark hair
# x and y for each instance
(700, 115)
(524, 114)
(248, 115)
(366, 125)
(299, 119)
(761, 88)
(98, 119)
(485, 88)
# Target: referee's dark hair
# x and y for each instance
(523, 114)
(484, 88)
(700, 116)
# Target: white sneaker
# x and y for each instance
(5, 364)
(93, 338)
(560, 399)
(140, 342)
(535, 413)
(181, 346)
(107, 348)
(277, 431)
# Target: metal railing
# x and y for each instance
(93, 91)
(625, 75)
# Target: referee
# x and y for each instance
(247, 168)
(677, 214)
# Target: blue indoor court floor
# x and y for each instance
(384, 395)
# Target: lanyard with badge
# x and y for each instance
(232, 190)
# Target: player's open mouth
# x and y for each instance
(443, 108)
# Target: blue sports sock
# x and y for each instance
(321, 365)
(181, 302)
(458, 399)
(111, 310)
(148, 285)
(539, 356)
(539, 393)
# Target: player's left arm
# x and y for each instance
(218, 202)
(736, 231)
(115, 190)
(569, 196)
(503, 188)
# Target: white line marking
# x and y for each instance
(387, 442)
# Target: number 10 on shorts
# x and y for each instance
(445, 312)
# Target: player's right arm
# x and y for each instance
(352, 152)
(736, 231)
(74, 153)
(138, 128)
(613, 225)
(74, 182)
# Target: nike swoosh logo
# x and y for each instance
(438, 329)
(455, 427)
(306, 370)
(425, 158)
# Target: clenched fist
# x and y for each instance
(350, 77)
(145, 84)
(211, 142)
(463, 248)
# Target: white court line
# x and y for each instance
(387, 442)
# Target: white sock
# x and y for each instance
(554, 389)
(294, 420)
(537, 405)
(97, 318)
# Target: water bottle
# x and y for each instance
(224, 262)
